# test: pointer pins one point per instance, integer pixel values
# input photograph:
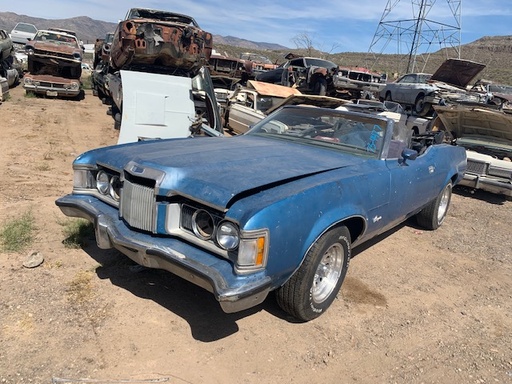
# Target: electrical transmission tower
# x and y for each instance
(418, 36)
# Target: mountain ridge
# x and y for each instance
(493, 51)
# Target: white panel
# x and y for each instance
(155, 106)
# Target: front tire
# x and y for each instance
(433, 215)
(314, 286)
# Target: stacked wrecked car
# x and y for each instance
(54, 64)
(158, 59)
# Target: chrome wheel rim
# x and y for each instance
(328, 273)
(443, 205)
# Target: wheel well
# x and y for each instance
(355, 226)
(420, 96)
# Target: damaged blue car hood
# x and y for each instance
(215, 170)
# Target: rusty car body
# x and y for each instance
(299, 72)
(221, 65)
(486, 133)
(259, 63)
(148, 37)
(54, 64)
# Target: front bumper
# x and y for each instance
(234, 292)
(485, 183)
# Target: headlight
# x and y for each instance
(27, 80)
(115, 188)
(102, 182)
(252, 251)
(227, 236)
(30, 51)
(203, 224)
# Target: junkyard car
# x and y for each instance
(259, 63)
(153, 37)
(23, 32)
(152, 44)
(486, 133)
(6, 47)
(278, 208)
(448, 84)
(298, 71)
(248, 105)
(358, 83)
(54, 64)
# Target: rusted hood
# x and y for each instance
(457, 72)
(51, 47)
(268, 89)
(313, 100)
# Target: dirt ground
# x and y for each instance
(416, 307)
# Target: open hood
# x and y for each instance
(472, 120)
(457, 72)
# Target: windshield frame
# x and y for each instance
(343, 131)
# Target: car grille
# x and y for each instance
(58, 55)
(137, 206)
(477, 167)
(51, 85)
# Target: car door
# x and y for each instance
(413, 183)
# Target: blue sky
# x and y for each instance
(333, 25)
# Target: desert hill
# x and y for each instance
(493, 51)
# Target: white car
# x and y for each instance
(22, 32)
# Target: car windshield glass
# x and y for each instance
(320, 63)
(334, 129)
(500, 88)
(55, 37)
(25, 28)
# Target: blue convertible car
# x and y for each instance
(279, 208)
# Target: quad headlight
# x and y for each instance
(227, 236)
(105, 183)
(102, 182)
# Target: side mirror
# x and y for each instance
(408, 154)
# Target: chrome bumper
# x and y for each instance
(234, 292)
(487, 184)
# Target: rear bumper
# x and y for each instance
(234, 292)
(485, 183)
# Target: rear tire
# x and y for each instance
(433, 215)
(420, 107)
(314, 286)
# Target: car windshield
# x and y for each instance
(320, 63)
(348, 132)
(56, 37)
(25, 28)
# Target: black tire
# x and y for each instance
(314, 286)
(420, 107)
(432, 216)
